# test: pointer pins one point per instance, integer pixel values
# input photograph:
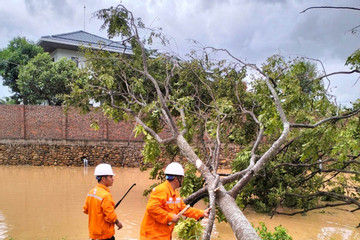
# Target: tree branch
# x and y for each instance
(212, 197)
(313, 208)
(138, 120)
(334, 118)
(331, 7)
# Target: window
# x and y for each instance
(76, 60)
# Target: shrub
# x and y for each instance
(279, 234)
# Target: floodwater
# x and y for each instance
(40, 203)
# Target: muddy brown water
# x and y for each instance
(38, 203)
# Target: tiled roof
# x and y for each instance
(82, 38)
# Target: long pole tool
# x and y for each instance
(117, 204)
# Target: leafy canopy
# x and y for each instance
(44, 80)
(17, 54)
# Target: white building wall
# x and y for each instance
(69, 54)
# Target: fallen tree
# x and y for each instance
(203, 105)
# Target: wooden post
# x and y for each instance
(64, 124)
(23, 122)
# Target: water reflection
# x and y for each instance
(38, 203)
(328, 233)
(3, 226)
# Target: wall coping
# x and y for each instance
(71, 142)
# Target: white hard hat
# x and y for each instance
(103, 169)
(174, 169)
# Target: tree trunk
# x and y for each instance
(239, 224)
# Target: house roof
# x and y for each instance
(74, 40)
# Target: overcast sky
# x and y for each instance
(251, 29)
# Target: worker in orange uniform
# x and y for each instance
(99, 205)
(164, 205)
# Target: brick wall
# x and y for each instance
(43, 122)
(11, 121)
(51, 122)
(46, 135)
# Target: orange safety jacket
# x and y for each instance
(164, 202)
(99, 205)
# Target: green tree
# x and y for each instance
(298, 176)
(195, 108)
(18, 53)
(44, 80)
(7, 101)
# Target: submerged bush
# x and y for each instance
(279, 234)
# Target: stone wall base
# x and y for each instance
(72, 153)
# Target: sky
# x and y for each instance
(252, 30)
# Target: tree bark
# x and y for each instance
(241, 227)
(237, 220)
